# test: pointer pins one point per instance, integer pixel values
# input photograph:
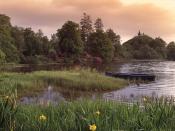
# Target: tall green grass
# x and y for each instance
(107, 116)
(31, 83)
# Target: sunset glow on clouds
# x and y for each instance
(126, 17)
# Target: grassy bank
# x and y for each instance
(31, 83)
(102, 115)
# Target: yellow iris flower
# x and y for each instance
(97, 113)
(42, 118)
(92, 127)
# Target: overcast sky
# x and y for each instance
(153, 17)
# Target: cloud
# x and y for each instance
(88, 4)
(146, 17)
(49, 15)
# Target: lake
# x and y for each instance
(164, 85)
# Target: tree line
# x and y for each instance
(73, 42)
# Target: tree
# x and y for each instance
(31, 46)
(52, 54)
(2, 57)
(98, 24)
(7, 44)
(43, 43)
(18, 36)
(100, 45)
(171, 51)
(35, 43)
(159, 45)
(145, 47)
(86, 27)
(115, 39)
(70, 43)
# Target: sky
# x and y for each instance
(153, 17)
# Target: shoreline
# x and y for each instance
(81, 80)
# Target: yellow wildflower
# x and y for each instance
(97, 113)
(92, 127)
(42, 118)
(7, 97)
(144, 99)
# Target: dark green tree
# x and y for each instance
(86, 27)
(54, 45)
(2, 57)
(31, 47)
(18, 35)
(7, 44)
(159, 45)
(115, 39)
(171, 51)
(145, 47)
(70, 43)
(100, 45)
(98, 24)
(43, 43)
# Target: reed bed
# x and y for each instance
(87, 115)
(32, 83)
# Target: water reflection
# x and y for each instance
(54, 95)
(45, 98)
(163, 86)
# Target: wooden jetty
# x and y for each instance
(132, 76)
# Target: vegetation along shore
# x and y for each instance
(80, 80)
(88, 115)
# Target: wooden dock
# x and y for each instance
(132, 76)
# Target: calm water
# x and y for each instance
(164, 85)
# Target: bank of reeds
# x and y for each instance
(83, 79)
(95, 115)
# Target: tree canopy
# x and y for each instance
(86, 27)
(7, 41)
(70, 43)
(145, 47)
(98, 24)
(171, 51)
(77, 41)
(101, 46)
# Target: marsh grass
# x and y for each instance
(78, 115)
(82, 79)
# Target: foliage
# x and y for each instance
(159, 45)
(145, 47)
(115, 39)
(86, 27)
(23, 45)
(35, 44)
(8, 110)
(70, 43)
(52, 54)
(98, 24)
(96, 115)
(171, 51)
(31, 83)
(6, 40)
(101, 46)
(2, 57)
